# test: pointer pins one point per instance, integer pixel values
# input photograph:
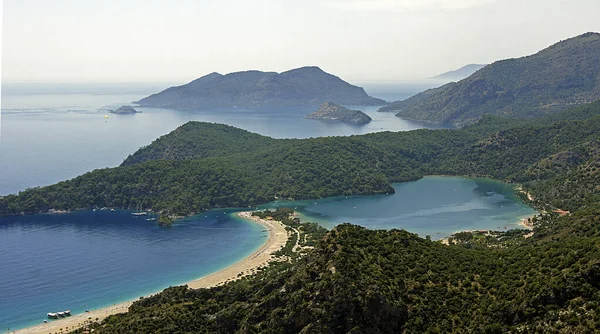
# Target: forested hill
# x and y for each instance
(196, 140)
(203, 173)
(305, 86)
(559, 77)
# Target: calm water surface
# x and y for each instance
(435, 205)
(88, 260)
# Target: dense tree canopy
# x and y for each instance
(201, 166)
(557, 78)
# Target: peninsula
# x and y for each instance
(334, 112)
(301, 87)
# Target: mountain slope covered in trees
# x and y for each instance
(364, 281)
(203, 174)
(559, 77)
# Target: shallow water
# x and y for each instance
(435, 205)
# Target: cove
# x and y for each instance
(434, 205)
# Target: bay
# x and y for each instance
(88, 260)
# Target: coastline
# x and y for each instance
(524, 223)
(277, 238)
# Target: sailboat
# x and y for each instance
(140, 212)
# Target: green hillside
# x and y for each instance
(363, 281)
(559, 77)
(191, 170)
(196, 140)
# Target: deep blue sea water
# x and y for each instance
(90, 260)
(87, 260)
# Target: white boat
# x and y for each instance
(68, 313)
(139, 212)
(61, 314)
(52, 315)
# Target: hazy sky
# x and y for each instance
(358, 40)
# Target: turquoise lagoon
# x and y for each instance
(434, 205)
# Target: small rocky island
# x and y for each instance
(332, 111)
(125, 110)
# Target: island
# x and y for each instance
(125, 110)
(301, 87)
(334, 112)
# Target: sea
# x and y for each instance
(87, 260)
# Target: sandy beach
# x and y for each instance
(278, 236)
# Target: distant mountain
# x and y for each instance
(305, 86)
(563, 75)
(332, 111)
(461, 73)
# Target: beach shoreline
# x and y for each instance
(277, 238)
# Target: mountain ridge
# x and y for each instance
(459, 73)
(356, 280)
(563, 75)
(304, 86)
